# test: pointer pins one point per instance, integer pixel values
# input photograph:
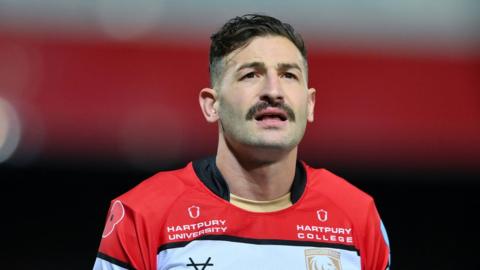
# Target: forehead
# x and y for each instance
(270, 50)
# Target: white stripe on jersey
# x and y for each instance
(214, 254)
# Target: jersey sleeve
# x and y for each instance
(124, 244)
(377, 246)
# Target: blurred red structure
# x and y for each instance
(132, 100)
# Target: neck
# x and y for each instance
(256, 174)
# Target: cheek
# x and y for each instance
(233, 105)
(229, 110)
(300, 105)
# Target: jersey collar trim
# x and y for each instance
(208, 172)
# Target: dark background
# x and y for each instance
(54, 216)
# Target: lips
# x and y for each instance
(271, 114)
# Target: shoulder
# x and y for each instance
(346, 200)
(159, 190)
(337, 189)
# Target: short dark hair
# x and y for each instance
(239, 31)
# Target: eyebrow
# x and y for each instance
(287, 66)
(261, 65)
(252, 65)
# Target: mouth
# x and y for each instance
(270, 114)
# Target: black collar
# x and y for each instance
(210, 175)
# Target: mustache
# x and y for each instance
(263, 105)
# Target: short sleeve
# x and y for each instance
(124, 244)
(377, 250)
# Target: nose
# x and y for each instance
(272, 91)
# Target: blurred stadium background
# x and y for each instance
(95, 96)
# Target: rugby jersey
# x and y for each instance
(183, 219)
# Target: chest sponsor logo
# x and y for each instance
(194, 211)
(194, 230)
(325, 233)
(322, 259)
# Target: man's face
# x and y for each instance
(262, 95)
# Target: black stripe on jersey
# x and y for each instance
(259, 242)
(299, 182)
(114, 261)
(208, 172)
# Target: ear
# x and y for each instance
(311, 104)
(208, 100)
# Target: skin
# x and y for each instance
(257, 157)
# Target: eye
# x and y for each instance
(249, 75)
(290, 75)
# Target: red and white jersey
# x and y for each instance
(183, 220)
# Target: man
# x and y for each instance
(253, 205)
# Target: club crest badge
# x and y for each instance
(115, 215)
(322, 215)
(322, 259)
(194, 211)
